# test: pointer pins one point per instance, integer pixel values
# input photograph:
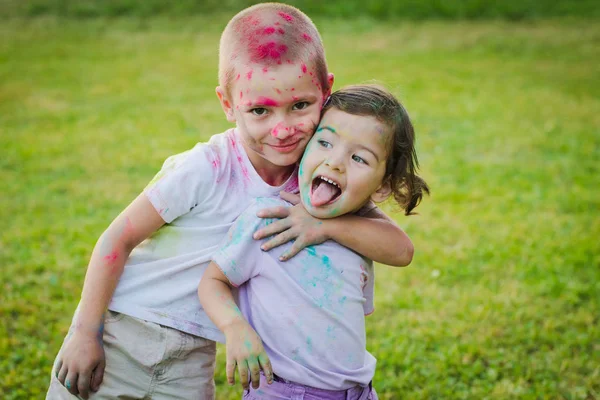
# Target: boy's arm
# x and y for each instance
(81, 365)
(374, 235)
(243, 345)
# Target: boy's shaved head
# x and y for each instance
(270, 34)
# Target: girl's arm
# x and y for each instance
(243, 345)
(81, 364)
(374, 235)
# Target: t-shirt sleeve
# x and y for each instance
(183, 183)
(239, 254)
(368, 273)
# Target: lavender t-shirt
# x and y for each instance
(309, 311)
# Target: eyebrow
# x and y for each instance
(332, 130)
(264, 101)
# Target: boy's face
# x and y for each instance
(276, 110)
(344, 164)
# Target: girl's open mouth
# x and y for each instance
(324, 191)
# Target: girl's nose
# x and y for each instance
(335, 161)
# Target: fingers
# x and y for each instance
(271, 229)
(83, 384)
(71, 382)
(290, 197)
(230, 371)
(243, 370)
(57, 367)
(278, 240)
(62, 374)
(97, 376)
(254, 373)
(273, 212)
(265, 364)
(292, 251)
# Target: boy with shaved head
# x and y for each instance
(139, 330)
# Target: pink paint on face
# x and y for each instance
(238, 77)
(265, 69)
(303, 66)
(241, 95)
(306, 37)
(295, 98)
(266, 101)
(249, 75)
(276, 129)
(278, 91)
(285, 16)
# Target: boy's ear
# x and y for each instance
(226, 104)
(330, 83)
(383, 192)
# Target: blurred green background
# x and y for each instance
(502, 300)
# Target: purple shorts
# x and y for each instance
(282, 389)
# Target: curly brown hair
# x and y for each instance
(402, 163)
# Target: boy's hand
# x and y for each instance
(81, 365)
(245, 349)
(295, 223)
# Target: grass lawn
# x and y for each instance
(502, 300)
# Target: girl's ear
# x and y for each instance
(226, 104)
(383, 192)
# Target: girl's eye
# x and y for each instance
(359, 160)
(300, 105)
(325, 144)
(259, 111)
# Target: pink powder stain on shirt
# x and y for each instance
(285, 16)
(249, 75)
(303, 66)
(266, 101)
(238, 77)
(265, 70)
(269, 30)
(306, 37)
(238, 155)
(281, 31)
(241, 94)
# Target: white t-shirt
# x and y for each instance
(308, 311)
(199, 194)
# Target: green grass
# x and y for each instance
(380, 9)
(502, 300)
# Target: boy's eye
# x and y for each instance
(325, 144)
(259, 111)
(359, 159)
(300, 105)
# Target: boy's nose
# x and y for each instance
(283, 130)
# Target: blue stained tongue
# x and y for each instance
(323, 193)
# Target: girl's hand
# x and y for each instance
(295, 223)
(245, 350)
(80, 367)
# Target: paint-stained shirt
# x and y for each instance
(309, 311)
(199, 194)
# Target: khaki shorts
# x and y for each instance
(145, 360)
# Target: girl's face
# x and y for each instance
(344, 164)
(276, 110)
